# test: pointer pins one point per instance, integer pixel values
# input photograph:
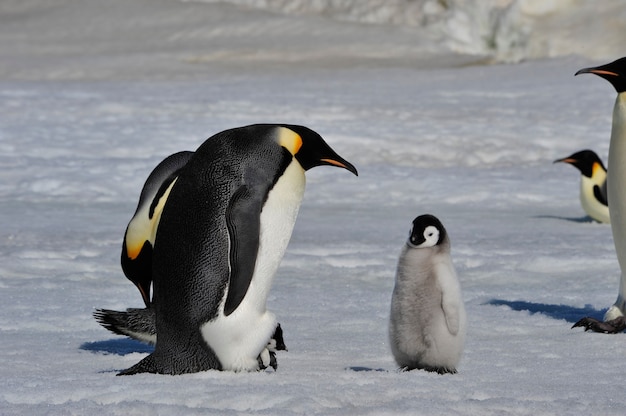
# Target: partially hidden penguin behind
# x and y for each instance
(214, 225)
(593, 194)
(427, 323)
(140, 233)
(615, 73)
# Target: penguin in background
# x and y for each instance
(593, 194)
(427, 323)
(226, 218)
(137, 246)
(615, 73)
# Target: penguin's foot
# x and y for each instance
(430, 369)
(266, 359)
(440, 370)
(613, 326)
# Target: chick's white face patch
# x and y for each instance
(429, 237)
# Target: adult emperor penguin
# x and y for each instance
(615, 73)
(427, 322)
(593, 196)
(226, 219)
(140, 233)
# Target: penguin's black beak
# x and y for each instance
(313, 151)
(341, 163)
(144, 289)
(598, 71)
(566, 160)
(613, 72)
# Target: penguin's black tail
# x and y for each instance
(139, 324)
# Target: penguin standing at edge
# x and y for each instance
(615, 73)
(427, 322)
(224, 227)
(593, 195)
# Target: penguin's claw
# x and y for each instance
(613, 326)
(267, 358)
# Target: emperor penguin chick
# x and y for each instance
(428, 322)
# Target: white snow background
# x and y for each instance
(437, 116)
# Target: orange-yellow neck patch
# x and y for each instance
(289, 139)
(142, 228)
(597, 170)
(132, 251)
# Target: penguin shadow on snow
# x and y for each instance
(360, 369)
(581, 220)
(565, 312)
(118, 346)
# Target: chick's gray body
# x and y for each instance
(427, 320)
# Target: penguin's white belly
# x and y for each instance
(616, 183)
(594, 208)
(239, 338)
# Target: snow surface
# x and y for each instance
(93, 94)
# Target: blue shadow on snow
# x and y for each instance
(568, 313)
(359, 369)
(582, 220)
(121, 346)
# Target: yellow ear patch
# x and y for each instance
(289, 139)
(133, 251)
(142, 228)
(595, 169)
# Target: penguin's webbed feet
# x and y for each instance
(613, 326)
(267, 358)
(430, 369)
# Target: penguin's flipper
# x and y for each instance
(449, 302)
(452, 314)
(139, 324)
(242, 219)
(600, 194)
(613, 326)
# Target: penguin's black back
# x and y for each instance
(191, 250)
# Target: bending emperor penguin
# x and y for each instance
(140, 233)
(593, 195)
(427, 323)
(226, 220)
(615, 73)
